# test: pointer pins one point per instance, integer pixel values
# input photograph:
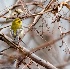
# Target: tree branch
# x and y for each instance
(46, 44)
(26, 52)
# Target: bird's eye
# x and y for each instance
(18, 21)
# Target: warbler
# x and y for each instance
(17, 31)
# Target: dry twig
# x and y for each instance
(46, 44)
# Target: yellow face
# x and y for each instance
(16, 24)
(17, 21)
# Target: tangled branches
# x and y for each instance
(40, 28)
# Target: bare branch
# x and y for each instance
(27, 53)
(46, 44)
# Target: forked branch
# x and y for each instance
(26, 52)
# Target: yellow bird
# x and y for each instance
(17, 30)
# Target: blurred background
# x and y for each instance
(45, 31)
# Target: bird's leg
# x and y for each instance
(22, 41)
(19, 39)
(16, 40)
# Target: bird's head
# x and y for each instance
(17, 21)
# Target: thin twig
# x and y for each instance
(27, 65)
(35, 3)
(9, 9)
(39, 16)
(5, 49)
(27, 16)
(46, 44)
